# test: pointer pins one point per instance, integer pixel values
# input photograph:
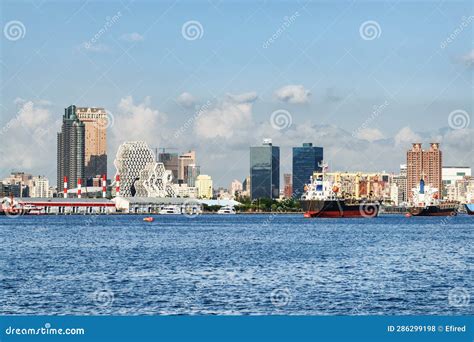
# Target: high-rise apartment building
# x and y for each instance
(95, 122)
(306, 160)
(265, 171)
(170, 161)
(184, 160)
(236, 188)
(70, 149)
(287, 185)
(191, 172)
(426, 164)
(39, 187)
(204, 186)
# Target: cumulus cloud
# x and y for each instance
(293, 94)
(369, 134)
(406, 135)
(137, 121)
(227, 119)
(29, 139)
(468, 59)
(186, 100)
(132, 37)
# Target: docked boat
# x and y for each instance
(426, 202)
(227, 210)
(469, 208)
(170, 210)
(321, 199)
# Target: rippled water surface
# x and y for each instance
(240, 264)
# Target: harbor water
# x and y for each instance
(236, 264)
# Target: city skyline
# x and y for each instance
(283, 75)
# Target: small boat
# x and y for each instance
(227, 210)
(148, 219)
(170, 210)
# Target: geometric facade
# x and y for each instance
(140, 175)
(131, 159)
(264, 171)
(306, 160)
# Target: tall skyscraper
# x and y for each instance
(287, 185)
(306, 160)
(132, 158)
(71, 149)
(265, 171)
(96, 122)
(170, 160)
(185, 160)
(426, 164)
(192, 171)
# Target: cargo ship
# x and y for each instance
(321, 199)
(426, 202)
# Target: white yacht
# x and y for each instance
(170, 210)
(227, 210)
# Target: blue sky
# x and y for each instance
(143, 63)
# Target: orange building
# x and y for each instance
(426, 164)
(96, 123)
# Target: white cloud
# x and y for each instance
(137, 122)
(468, 59)
(369, 134)
(186, 100)
(293, 94)
(229, 119)
(406, 135)
(29, 139)
(132, 37)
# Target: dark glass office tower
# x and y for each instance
(264, 171)
(71, 149)
(306, 160)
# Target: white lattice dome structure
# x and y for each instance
(136, 166)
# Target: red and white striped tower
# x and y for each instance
(117, 185)
(104, 186)
(65, 187)
(79, 188)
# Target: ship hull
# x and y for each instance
(469, 209)
(433, 210)
(338, 209)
